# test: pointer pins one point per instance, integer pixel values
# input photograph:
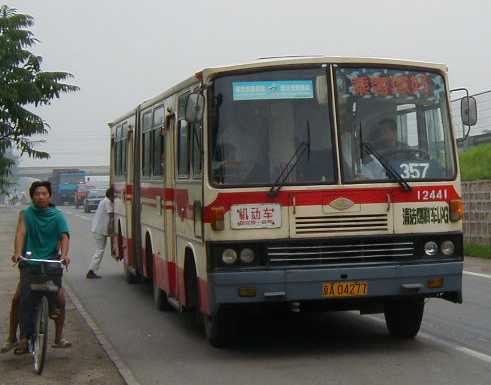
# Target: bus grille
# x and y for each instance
(341, 224)
(332, 252)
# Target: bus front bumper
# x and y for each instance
(297, 285)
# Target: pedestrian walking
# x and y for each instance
(102, 227)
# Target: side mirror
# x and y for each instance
(194, 107)
(468, 110)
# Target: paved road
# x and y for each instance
(338, 348)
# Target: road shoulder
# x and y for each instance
(477, 265)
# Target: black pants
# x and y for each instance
(28, 298)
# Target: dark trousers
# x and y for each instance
(28, 299)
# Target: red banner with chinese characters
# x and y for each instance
(386, 85)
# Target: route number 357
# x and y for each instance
(414, 170)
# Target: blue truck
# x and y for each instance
(64, 184)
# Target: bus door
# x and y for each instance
(169, 206)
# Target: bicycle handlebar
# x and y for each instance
(41, 260)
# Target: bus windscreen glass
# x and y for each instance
(397, 115)
(267, 122)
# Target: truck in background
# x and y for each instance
(64, 183)
(81, 193)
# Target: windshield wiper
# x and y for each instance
(388, 168)
(291, 164)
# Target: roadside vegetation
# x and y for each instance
(475, 163)
(24, 86)
(475, 250)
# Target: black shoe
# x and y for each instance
(91, 275)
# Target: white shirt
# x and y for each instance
(100, 222)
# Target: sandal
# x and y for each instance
(22, 347)
(62, 344)
(8, 346)
(55, 313)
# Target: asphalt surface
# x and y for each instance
(454, 346)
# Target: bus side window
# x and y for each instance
(115, 157)
(146, 156)
(124, 149)
(196, 151)
(183, 142)
(183, 149)
(117, 149)
(158, 141)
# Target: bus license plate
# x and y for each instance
(345, 289)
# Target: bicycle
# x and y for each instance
(43, 289)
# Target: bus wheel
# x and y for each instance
(160, 297)
(403, 318)
(129, 276)
(220, 329)
(215, 329)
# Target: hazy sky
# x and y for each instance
(123, 51)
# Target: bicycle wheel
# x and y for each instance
(41, 335)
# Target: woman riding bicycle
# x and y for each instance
(43, 231)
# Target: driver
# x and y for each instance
(384, 141)
(386, 136)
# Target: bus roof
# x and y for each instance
(208, 73)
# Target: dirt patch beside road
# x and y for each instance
(478, 265)
(84, 363)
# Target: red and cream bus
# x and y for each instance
(315, 182)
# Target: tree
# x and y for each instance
(22, 85)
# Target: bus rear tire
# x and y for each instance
(129, 276)
(160, 298)
(403, 318)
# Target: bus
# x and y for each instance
(314, 183)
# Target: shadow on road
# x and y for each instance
(285, 333)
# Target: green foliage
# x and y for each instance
(23, 84)
(475, 250)
(5, 166)
(475, 163)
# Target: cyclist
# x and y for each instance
(42, 230)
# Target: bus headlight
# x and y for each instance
(431, 248)
(247, 256)
(448, 248)
(229, 256)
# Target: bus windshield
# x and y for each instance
(264, 122)
(72, 178)
(397, 115)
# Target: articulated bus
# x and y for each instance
(317, 183)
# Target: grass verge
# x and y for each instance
(474, 163)
(475, 250)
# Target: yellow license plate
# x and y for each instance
(345, 289)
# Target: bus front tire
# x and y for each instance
(403, 318)
(220, 328)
